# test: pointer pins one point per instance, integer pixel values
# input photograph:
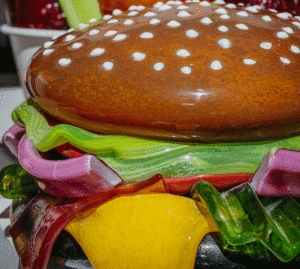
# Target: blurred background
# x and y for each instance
(8, 72)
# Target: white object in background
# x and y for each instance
(25, 42)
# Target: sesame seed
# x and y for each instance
(266, 45)
(221, 11)
(242, 14)
(76, 45)
(146, 35)
(150, 14)
(48, 44)
(119, 37)
(251, 9)
(133, 7)
(64, 61)
(132, 13)
(183, 53)
(288, 30)
(282, 35)
(220, 2)
(140, 8)
(47, 52)
(164, 7)
(107, 65)
(107, 17)
(128, 22)
(216, 65)
(249, 62)
(110, 33)
(224, 43)
(69, 37)
(83, 25)
(297, 24)
(112, 21)
(266, 18)
(284, 15)
(223, 28)
(242, 26)
(231, 6)
(117, 12)
(186, 70)
(154, 21)
(182, 7)
(158, 5)
(137, 56)
(158, 66)
(92, 20)
(225, 17)
(295, 49)
(191, 33)
(285, 60)
(205, 4)
(183, 14)
(206, 20)
(94, 32)
(173, 24)
(97, 52)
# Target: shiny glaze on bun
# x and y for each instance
(195, 72)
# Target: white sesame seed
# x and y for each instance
(273, 10)
(110, 33)
(191, 33)
(137, 56)
(94, 32)
(295, 49)
(282, 35)
(133, 7)
(183, 14)
(183, 53)
(266, 18)
(231, 6)
(117, 12)
(76, 45)
(119, 37)
(132, 13)
(242, 26)
(216, 65)
(221, 11)
(223, 28)
(47, 52)
(107, 17)
(128, 22)
(83, 25)
(48, 44)
(154, 21)
(224, 43)
(284, 15)
(158, 66)
(97, 52)
(69, 37)
(225, 17)
(219, 2)
(266, 45)
(297, 17)
(241, 4)
(146, 35)
(112, 21)
(150, 14)
(174, 3)
(107, 65)
(64, 61)
(173, 24)
(285, 60)
(182, 7)
(251, 9)
(164, 7)
(288, 30)
(242, 14)
(70, 30)
(297, 24)
(56, 36)
(206, 20)
(140, 8)
(92, 20)
(249, 62)
(158, 5)
(186, 70)
(205, 4)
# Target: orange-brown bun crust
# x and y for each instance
(190, 73)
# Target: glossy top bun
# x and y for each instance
(184, 72)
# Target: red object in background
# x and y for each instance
(40, 14)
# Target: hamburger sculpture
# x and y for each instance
(138, 121)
